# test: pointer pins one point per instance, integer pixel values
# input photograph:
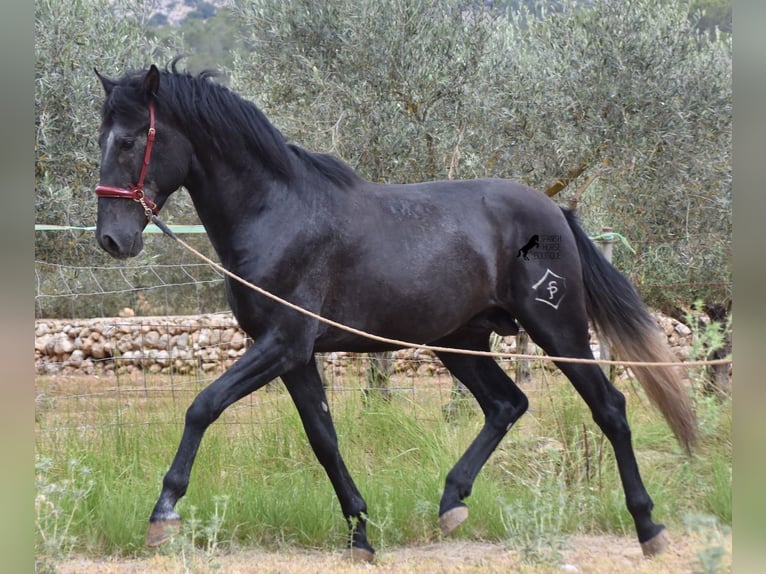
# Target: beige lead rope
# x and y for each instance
(398, 343)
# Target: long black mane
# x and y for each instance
(216, 118)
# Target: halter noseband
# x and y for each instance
(136, 191)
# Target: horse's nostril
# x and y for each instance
(107, 243)
(118, 246)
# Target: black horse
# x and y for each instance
(533, 242)
(428, 263)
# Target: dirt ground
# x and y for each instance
(584, 554)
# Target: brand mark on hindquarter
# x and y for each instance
(550, 289)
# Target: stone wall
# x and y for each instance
(207, 343)
(155, 344)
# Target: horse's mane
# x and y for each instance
(214, 116)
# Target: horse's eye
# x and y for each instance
(127, 144)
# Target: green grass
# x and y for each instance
(101, 458)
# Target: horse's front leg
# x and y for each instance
(305, 387)
(262, 363)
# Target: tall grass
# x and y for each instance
(101, 456)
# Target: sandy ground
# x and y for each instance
(594, 554)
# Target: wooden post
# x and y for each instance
(604, 244)
(523, 371)
(379, 375)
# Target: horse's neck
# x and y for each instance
(244, 209)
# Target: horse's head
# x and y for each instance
(144, 158)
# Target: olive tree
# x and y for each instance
(630, 95)
(385, 85)
(633, 94)
(629, 92)
(72, 37)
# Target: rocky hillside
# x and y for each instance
(174, 12)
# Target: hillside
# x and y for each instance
(174, 12)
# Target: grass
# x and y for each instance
(103, 446)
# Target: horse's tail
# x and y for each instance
(623, 320)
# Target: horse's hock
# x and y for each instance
(210, 343)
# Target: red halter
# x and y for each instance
(136, 192)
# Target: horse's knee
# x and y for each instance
(201, 413)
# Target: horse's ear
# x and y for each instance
(152, 82)
(106, 82)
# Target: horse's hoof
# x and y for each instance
(452, 519)
(160, 532)
(361, 555)
(656, 545)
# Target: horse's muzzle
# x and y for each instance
(120, 245)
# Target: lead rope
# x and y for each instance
(399, 343)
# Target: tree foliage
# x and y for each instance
(71, 39)
(712, 16)
(207, 40)
(382, 84)
(634, 94)
(628, 91)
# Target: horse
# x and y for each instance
(428, 263)
(533, 242)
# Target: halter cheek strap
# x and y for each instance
(136, 191)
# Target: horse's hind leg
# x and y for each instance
(567, 336)
(502, 403)
(305, 387)
(607, 405)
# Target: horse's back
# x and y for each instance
(482, 205)
(464, 221)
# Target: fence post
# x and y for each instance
(604, 243)
(379, 375)
(523, 369)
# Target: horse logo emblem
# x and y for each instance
(533, 242)
(550, 289)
